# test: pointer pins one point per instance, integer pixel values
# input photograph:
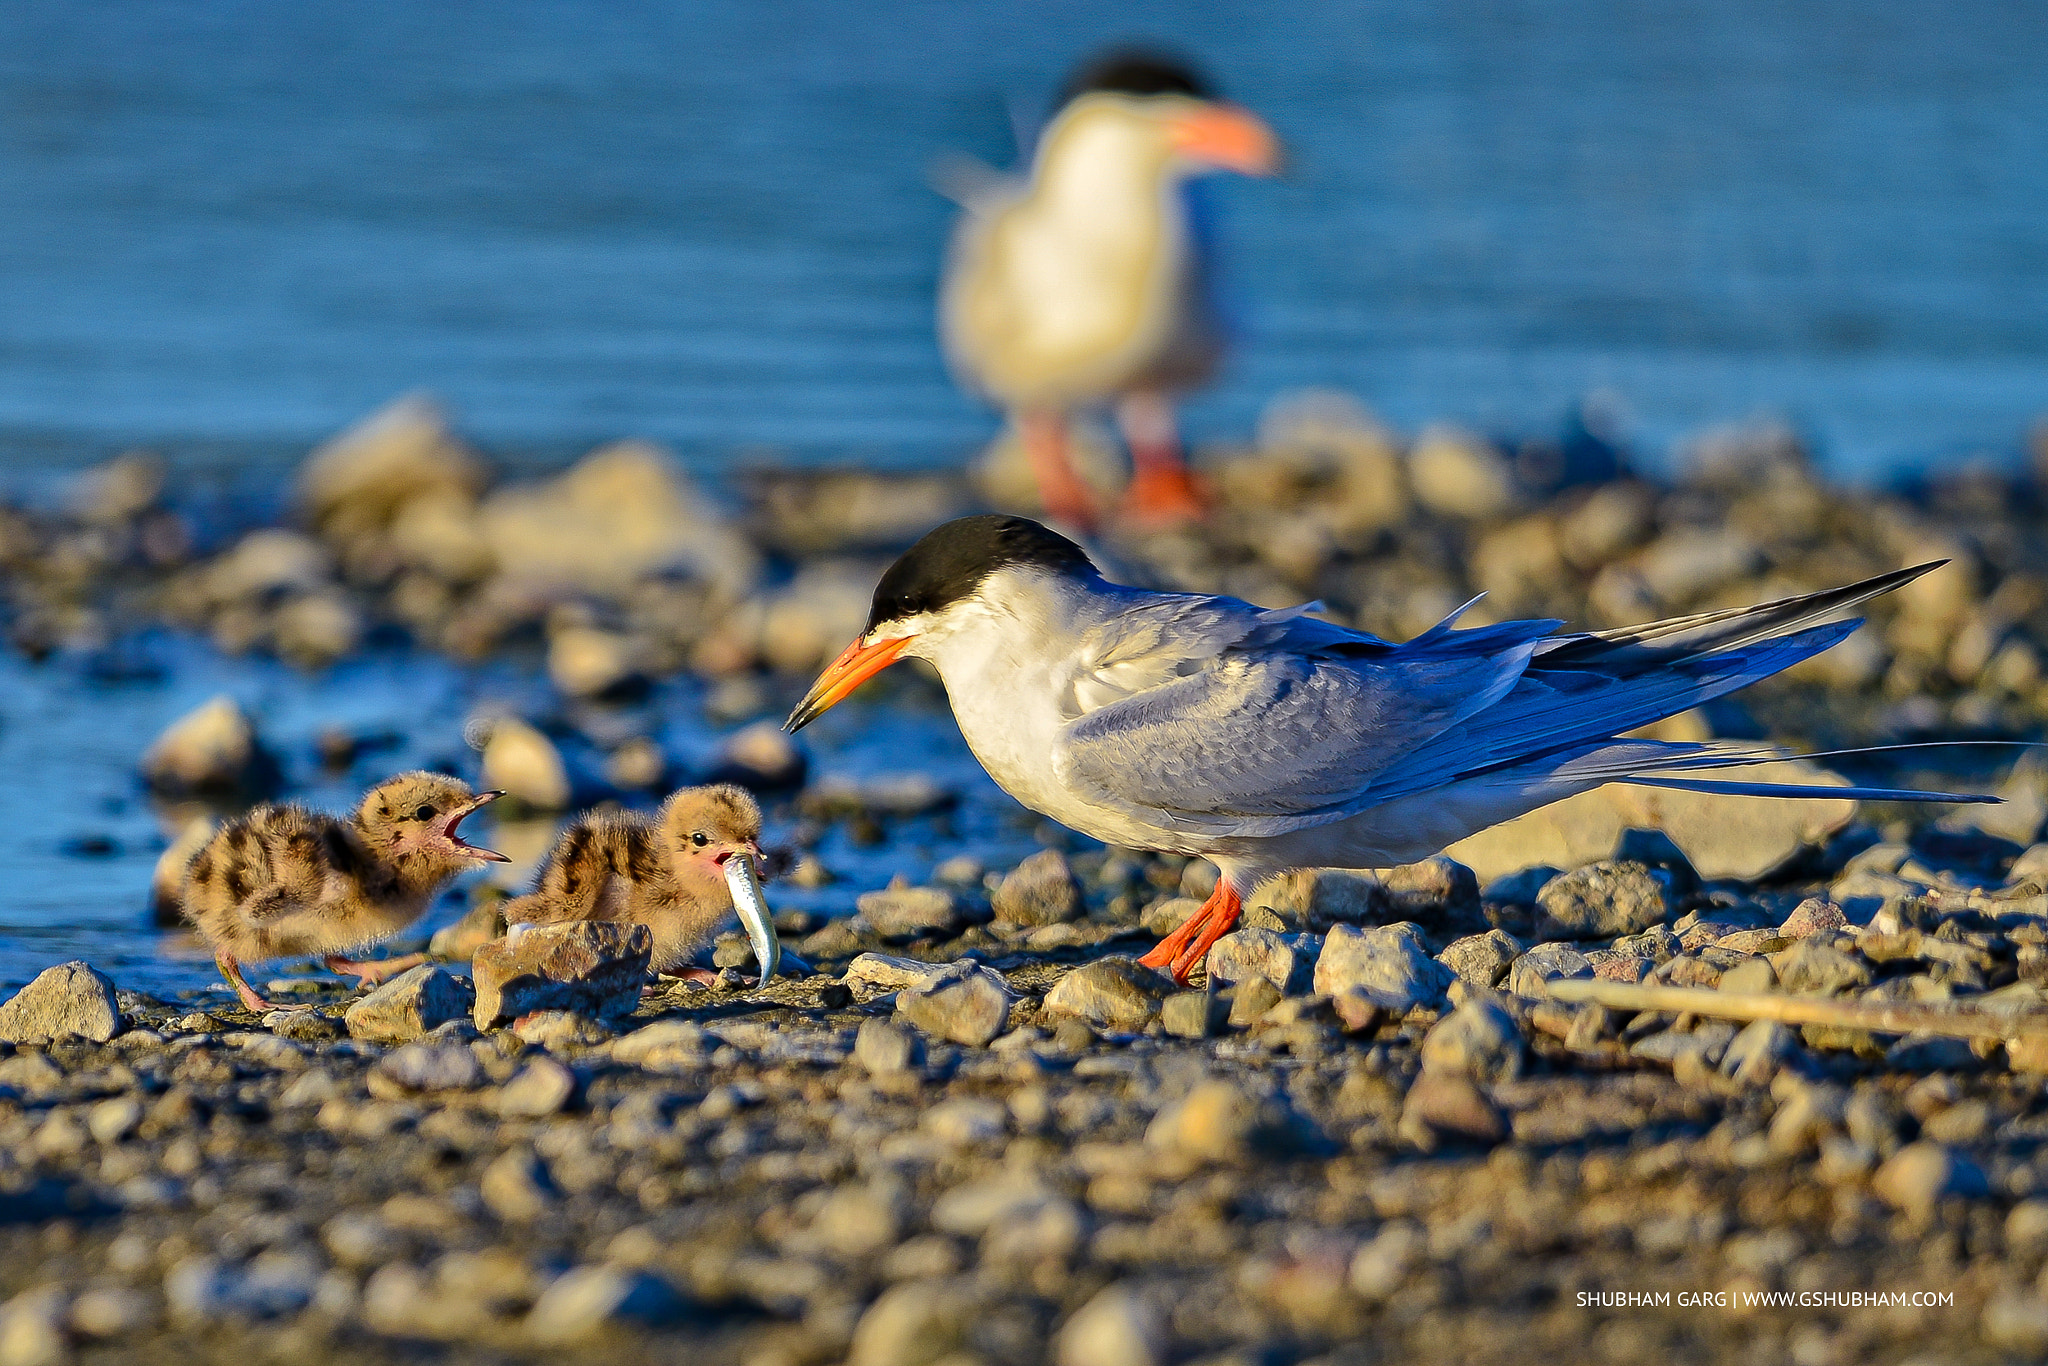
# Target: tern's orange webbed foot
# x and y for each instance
(1180, 952)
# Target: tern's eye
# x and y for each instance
(699, 838)
(425, 813)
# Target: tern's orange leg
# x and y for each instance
(251, 1002)
(1163, 490)
(1181, 951)
(1066, 498)
(372, 971)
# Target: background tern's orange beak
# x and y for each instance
(1225, 135)
(849, 671)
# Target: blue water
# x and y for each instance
(227, 229)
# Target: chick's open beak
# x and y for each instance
(454, 818)
(857, 665)
(1225, 135)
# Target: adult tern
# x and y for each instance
(1270, 740)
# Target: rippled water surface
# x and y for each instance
(231, 228)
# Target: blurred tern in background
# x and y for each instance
(1269, 740)
(1093, 282)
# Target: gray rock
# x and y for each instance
(587, 1299)
(540, 1088)
(1039, 891)
(1250, 1000)
(1390, 964)
(966, 1003)
(1118, 1327)
(664, 1046)
(411, 1004)
(1480, 1039)
(1604, 900)
(1527, 974)
(1482, 959)
(1435, 891)
(271, 1285)
(1814, 967)
(561, 1029)
(1755, 1054)
(429, 1067)
(1921, 1175)
(887, 972)
(1381, 1266)
(595, 968)
(1812, 916)
(71, 1000)
(913, 1324)
(910, 912)
(1287, 961)
(1317, 898)
(516, 1186)
(212, 750)
(1194, 1014)
(882, 1047)
(1447, 1107)
(1751, 976)
(1110, 993)
(861, 1220)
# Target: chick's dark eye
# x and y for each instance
(699, 838)
(425, 813)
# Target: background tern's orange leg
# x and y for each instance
(371, 972)
(1189, 945)
(1163, 491)
(1065, 497)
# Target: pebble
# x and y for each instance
(1042, 890)
(909, 912)
(1286, 960)
(1317, 898)
(1110, 993)
(1920, 1175)
(966, 1003)
(1390, 964)
(884, 1048)
(211, 751)
(1479, 1039)
(540, 1088)
(595, 968)
(1119, 1326)
(1528, 973)
(516, 1187)
(413, 1003)
(1603, 900)
(585, 1299)
(1482, 959)
(71, 1000)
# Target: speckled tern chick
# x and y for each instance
(283, 881)
(682, 872)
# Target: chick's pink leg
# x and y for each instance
(251, 1002)
(372, 971)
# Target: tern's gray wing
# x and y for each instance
(1292, 723)
(1208, 714)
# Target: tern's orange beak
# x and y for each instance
(856, 666)
(1229, 137)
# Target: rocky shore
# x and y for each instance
(973, 1129)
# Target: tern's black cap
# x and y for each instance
(950, 562)
(1138, 71)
